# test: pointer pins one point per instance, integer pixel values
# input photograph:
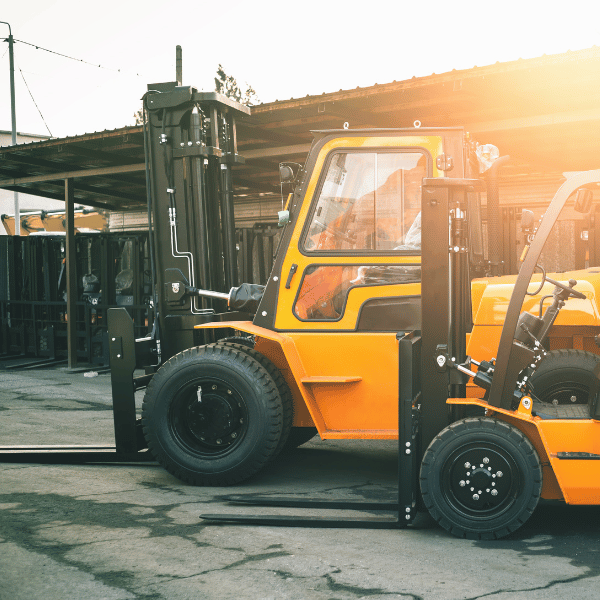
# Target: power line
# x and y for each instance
(38, 109)
(72, 57)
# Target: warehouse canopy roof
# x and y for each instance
(544, 112)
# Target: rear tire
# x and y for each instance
(212, 415)
(247, 341)
(481, 478)
(287, 401)
(566, 377)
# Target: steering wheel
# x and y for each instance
(334, 232)
(566, 288)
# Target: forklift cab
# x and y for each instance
(347, 277)
(356, 223)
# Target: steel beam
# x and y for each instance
(71, 268)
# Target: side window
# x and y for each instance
(371, 202)
(324, 289)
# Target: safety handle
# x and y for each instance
(293, 270)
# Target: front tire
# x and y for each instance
(212, 415)
(481, 478)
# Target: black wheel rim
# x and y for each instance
(208, 417)
(481, 481)
(567, 392)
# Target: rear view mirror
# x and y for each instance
(527, 221)
(583, 200)
(286, 173)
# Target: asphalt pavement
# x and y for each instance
(134, 531)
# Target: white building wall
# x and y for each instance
(27, 202)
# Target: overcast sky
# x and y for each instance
(283, 49)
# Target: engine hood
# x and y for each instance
(492, 295)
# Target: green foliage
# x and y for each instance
(139, 117)
(228, 86)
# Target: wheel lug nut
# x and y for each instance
(214, 387)
(499, 473)
(486, 460)
(475, 496)
(462, 483)
(494, 492)
(467, 465)
(219, 441)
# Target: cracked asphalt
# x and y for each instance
(134, 532)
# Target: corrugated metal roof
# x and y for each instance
(428, 80)
(544, 112)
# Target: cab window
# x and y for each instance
(324, 289)
(369, 202)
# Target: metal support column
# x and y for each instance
(71, 268)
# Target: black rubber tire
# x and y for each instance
(299, 436)
(235, 433)
(564, 375)
(247, 341)
(508, 463)
(287, 401)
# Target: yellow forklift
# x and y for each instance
(360, 332)
(479, 476)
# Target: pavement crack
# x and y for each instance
(254, 558)
(364, 592)
(534, 589)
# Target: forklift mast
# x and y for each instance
(191, 147)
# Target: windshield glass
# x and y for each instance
(369, 201)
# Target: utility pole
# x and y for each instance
(178, 65)
(13, 114)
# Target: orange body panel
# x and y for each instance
(576, 481)
(364, 401)
(347, 384)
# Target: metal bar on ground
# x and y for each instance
(58, 455)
